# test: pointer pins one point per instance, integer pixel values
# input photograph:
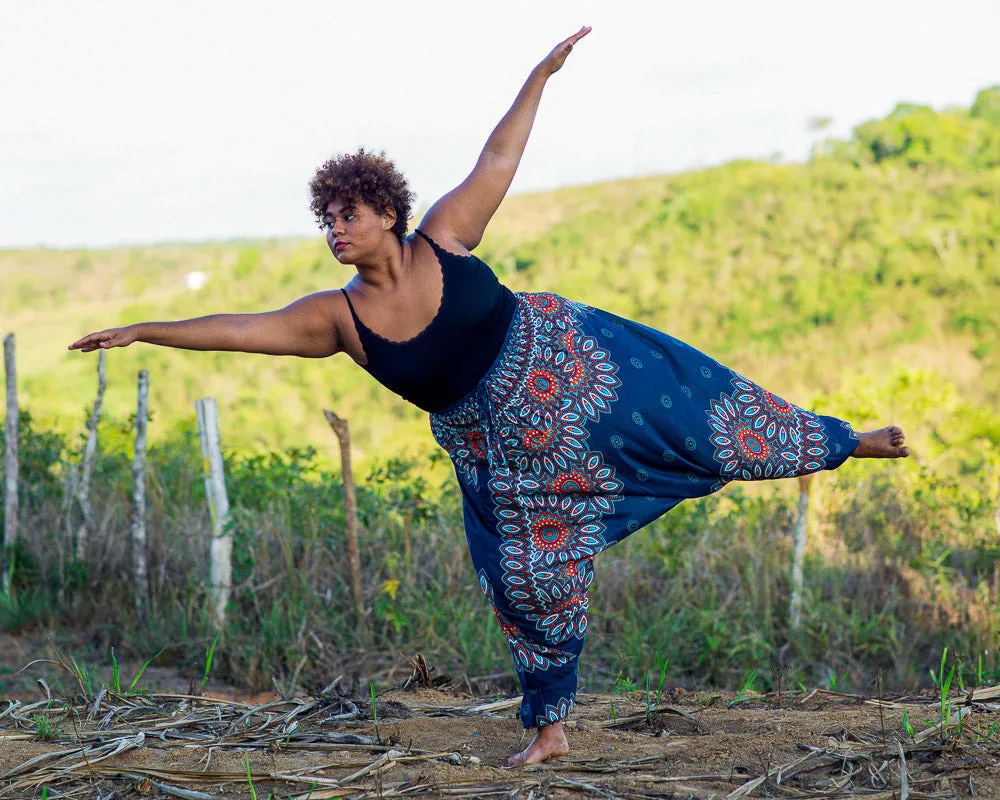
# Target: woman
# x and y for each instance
(569, 428)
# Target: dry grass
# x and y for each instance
(434, 744)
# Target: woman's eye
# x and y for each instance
(329, 223)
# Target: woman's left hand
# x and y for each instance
(554, 60)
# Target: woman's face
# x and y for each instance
(354, 229)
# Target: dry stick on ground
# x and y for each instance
(221, 566)
(663, 709)
(87, 463)
(780, 772)
(798, 557)
(350, 509)
(140, 575)
(10, 466)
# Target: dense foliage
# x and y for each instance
(919, 136)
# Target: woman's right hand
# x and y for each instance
(102, 340)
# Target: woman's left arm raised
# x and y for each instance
(464, 213)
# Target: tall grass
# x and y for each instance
(902, 563)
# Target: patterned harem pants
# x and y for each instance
(587, 427)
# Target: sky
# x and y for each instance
(128, 121)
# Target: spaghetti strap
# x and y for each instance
(440, 251)
(358, 324)
(429, 240)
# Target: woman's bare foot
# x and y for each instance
(884, 443)
(549, 742)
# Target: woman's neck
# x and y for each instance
(386, 267)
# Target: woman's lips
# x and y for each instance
(339, 246)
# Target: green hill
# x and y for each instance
(875, 263)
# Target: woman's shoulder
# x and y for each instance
(329, 302)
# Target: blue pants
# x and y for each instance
(587, 427)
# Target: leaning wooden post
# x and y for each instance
(350, 510)
(139, 572)
(798, 558)
(10, 466)
(221, 566)
(87, 462)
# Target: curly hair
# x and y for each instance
(366, 177)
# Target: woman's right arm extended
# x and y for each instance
(306, 328)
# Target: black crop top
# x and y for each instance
(445, 361)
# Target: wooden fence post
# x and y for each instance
(996, 504)
(798, 557)
(220, 569)
(995, 491)
(139, 571)
(87, 462)
(10, 465)
(350, 510)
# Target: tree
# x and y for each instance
(987, 106)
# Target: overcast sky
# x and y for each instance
(125, 121)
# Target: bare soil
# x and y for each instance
(433, 743)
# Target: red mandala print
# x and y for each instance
(777, 405)
(544, 302)
(535, 439)
(549, 533)
(543, 385)
(753, 446)
(758, 436)
(477, 444)
(571, 483)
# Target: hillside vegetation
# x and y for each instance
(806, 277)
(865, 283)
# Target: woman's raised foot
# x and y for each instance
(549, 742)
(884, 443)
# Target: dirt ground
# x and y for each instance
(443, 743)
(430, 743)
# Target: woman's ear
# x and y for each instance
(388, 218)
